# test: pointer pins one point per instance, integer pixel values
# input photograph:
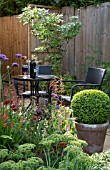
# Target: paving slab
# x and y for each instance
(107, 140)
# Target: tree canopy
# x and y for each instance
(14, 7)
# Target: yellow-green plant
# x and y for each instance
(91, 106)
(21, 158)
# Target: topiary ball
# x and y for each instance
(91, 106)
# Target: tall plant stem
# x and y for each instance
(0, 84)
(9, 91)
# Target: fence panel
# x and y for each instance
(94, 37)
(13, 40)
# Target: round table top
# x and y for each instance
(37, 78)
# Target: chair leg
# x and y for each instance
(23, 99)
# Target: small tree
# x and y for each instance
(51, 30)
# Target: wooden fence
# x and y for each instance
(95, 32)
(13, 40)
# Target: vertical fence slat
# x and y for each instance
(68, 58)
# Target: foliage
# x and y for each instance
(33, 124)
(102, 160)
(13, 7)
(21, 158)
(93, 61)
(54, 147)
(59, 87)
(24, 134)
(91, 106)
(59, 155)
(68, 85)
(77, 160)
(106, 82)
(51, 30)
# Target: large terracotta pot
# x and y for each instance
(94, 135)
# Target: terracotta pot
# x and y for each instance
(94, 135)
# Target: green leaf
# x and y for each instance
(5, 137)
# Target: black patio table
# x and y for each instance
(34, 83)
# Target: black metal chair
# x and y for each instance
(45, 70)
(93, 80)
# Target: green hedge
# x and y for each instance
(13, 7)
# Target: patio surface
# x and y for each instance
(107, 140)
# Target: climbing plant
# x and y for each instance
(51, 30)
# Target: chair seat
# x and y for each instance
(28, 93)
(44, 93)
(66, 98)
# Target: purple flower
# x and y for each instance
(3, 56)
(57, 107)
(55, 95)
(15, 65)
(18, 55)
(46, 100)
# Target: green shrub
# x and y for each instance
(91, 106)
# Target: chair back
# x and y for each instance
(95, 76)
(45, 70)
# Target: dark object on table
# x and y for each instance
(32, 69)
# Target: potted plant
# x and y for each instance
(92, 110)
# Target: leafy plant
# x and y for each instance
(102, 160)
(12, 7)
(91, 60)
(106, 82)
(54, 147)
(21, 158)
(67, 85)
(58, 156)
(91, 106)
(33, 124)
(50, 29)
